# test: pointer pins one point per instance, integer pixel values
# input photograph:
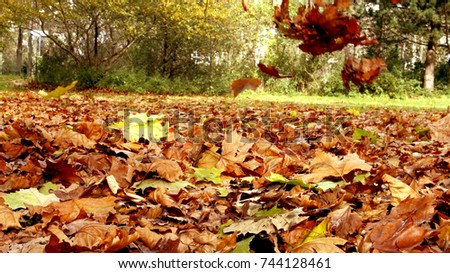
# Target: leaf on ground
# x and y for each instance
(240, 85)
(208, 175)
(243, 246)
(167, 169)
(112, 184)
(319, 231)
(160, 196)
(399, 190)
(9, 218)
(66, 138)
(32, 197)
(328, 165)
(60, 90)
(268, 224)
(271, 212)
(321, 245)
(48, 188)
(359, 133)
(440, 130)
(136, 126)
(345, 222)
(158, 183)
(404, 229)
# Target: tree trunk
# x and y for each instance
(430, 61)
(30, 53)
(19, 52)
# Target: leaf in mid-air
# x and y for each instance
(60, 90)
(272, 71)
(240, 85)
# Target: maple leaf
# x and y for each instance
(328, 165)
(167, 169)
(344, 221)
(440, 130)
(9, 218)
(240, 85)
(399, 190)
(402, 230)
(361, 71)
(272, 71)
(32, 197)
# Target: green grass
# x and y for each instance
(437, 103)
(6, 82)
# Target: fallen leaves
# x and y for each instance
(300, 179)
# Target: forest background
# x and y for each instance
(199, 47)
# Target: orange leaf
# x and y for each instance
(343, 4)
(167, 169)
(240, 85)
(272, 71)
(245, 5)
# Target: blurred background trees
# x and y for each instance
(201, 46)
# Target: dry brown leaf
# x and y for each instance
(160, 196)
(345, 222)
(150, 238)
(66, 138)
(328, 165)
(167, 169)
(399, 190)
(440, 130)
(9, 218)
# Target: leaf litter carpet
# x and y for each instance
(119, 173)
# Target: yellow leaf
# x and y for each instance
(318, 231)
(60, 90)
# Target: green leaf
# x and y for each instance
(274, 177)
(359, 133)
(21, 198)
(361, 177)
(209, 175)
(159, 183)
(271, 212)
(222, 226)
(244, 245)
(223, 191)
(60, 90)
(48, 188)
(326, 185)
(319, 231)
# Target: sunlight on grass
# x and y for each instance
(432, 103)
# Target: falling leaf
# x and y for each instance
(245, 5)
(60, 90)
(272, 71)
(399, 190)
(32, 197)
(240, 85)
(9, 218)
(328, 165)
(361, 71)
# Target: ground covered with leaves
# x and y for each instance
(114, 173)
